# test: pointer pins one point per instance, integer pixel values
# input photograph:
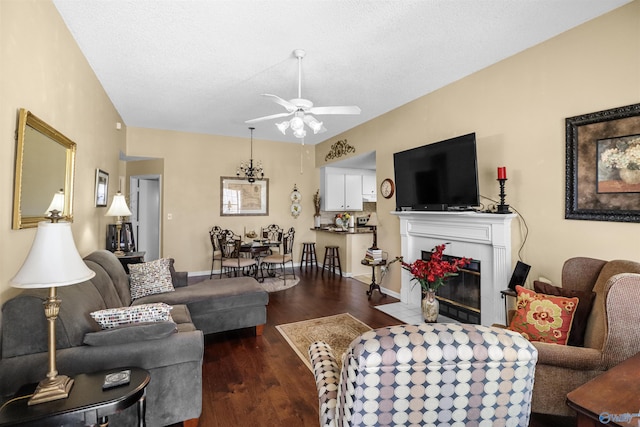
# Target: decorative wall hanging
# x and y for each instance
(602, 155)
(296, 207)
(240, 197)
(102, 188)
(339, 149)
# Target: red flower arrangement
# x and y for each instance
(432, 274)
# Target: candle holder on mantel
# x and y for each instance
(502, 207)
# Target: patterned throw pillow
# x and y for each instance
(542, 317)
(150, 278)
(113, 317)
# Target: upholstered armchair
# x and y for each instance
(611, 336)
(430, 374)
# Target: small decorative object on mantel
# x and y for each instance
(296, 207)
(502, 178)
(432, 274)
(339, 149)
(316, 206)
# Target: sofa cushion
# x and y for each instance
(103, 283)
(113, 317)
(576, 337)
(130, 333)
(112, 266)
(542, 317)
(149, 278)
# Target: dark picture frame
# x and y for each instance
(239, 197)
(102, 188)
(594, 191)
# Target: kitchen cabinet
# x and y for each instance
(369, 188)
(341, 191)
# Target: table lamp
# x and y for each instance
(373, 223)
(118, 209)
(52, 261)
(57, 203)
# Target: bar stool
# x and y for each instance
(331, 255)
(309, 254)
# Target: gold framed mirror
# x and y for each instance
(45, 163)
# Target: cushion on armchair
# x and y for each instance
(542, 317)
(579, 325)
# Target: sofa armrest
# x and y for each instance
(178, 278)
(327, 374)
(577, 358)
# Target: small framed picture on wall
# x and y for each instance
(102, 188)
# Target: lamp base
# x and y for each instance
(51, 389)
(118, 253)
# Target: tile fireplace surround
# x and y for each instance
(482, 236)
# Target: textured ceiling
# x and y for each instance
(201, 65)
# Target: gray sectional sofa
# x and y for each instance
(172, 356)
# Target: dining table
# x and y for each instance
(258, 249)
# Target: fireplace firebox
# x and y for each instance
(460, 296)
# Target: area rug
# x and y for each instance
(338, 331)
(275, 284)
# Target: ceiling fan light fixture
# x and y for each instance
(282, 127)
(296, 124)
(299, 133)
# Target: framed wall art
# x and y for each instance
(241, 197)
(102, 188)
(603, 165)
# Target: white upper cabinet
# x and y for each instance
(340, 191)
(369, 188)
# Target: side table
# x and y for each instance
(373, 264)
(87, 402)
(131, 258)
(610, 399)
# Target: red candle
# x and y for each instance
(502, 172)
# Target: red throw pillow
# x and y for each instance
(579, 325)
(542, 317)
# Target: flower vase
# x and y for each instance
(430, 306)
(316, 221)
(630, 176)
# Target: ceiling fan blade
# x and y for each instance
(286, 104)
(273, 116)
(346, 109)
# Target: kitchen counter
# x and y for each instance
(353, 245)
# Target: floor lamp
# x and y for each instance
(53, 261)
(118, 209)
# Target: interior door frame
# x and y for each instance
(133, 197)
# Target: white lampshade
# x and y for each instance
(118, 206)
(57, 203)
(373, 219)
(53, 259)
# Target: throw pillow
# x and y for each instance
(113, 317)
(542, 317)
(150, 278)
(125, 334)
(579, 326)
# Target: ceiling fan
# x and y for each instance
(302, 109)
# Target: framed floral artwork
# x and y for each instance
(603, 165)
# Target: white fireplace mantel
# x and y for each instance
(482, 236)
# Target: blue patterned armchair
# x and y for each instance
(443, 374)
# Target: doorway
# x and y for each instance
(145, 197)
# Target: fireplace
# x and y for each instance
(460, 296)
(484, 237)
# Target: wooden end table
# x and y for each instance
(610, 399)
(131, 258)
(373, 264)
(87, 402)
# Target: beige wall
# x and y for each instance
(517, 109)
(193, 165)
(43, 70)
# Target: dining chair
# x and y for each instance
(217, 252)
(230, 246)
(273, 233)
(280, 259)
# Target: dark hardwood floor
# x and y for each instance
(249, 380)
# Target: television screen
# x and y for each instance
(442, 175)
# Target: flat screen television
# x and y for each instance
(438, 176)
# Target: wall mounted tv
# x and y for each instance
(438, 176)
